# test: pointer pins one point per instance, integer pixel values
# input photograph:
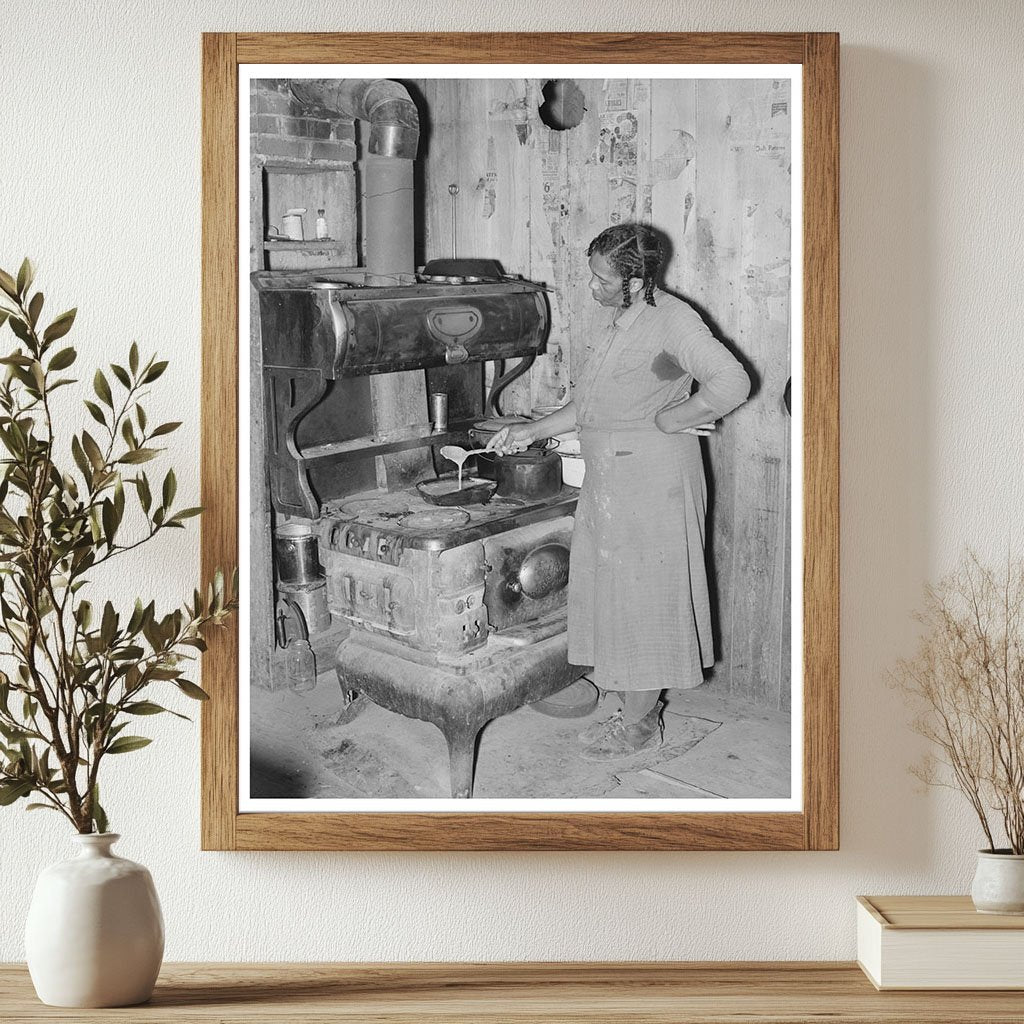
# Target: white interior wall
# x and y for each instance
(100, 176)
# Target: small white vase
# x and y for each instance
(95, 933)
(999, 882)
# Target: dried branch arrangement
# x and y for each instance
(968, 680)
(78, 672)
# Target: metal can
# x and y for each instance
(297, 554)
(439, 412)
(311, 601)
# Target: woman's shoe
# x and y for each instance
(621, 740)
(596, 730)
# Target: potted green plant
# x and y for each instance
(75, 671)
(967, 682)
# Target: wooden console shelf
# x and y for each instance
(620, 993)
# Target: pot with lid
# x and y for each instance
(530, 475)
(487, 462)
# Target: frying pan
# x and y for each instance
(445, 490)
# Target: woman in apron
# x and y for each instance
(639, 610)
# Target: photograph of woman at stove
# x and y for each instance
(638, 610)
(521, 461)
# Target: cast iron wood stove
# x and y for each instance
(454, 615)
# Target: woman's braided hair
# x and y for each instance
(633, 250)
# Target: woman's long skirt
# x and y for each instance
(639, 610)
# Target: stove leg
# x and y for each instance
(348, 695)
(461, 757)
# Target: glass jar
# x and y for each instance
(300, 666)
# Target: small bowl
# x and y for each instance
(573, 470)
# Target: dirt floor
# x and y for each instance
(714, 747)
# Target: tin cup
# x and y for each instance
(291, 222)
(439, 412)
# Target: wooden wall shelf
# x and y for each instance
(524, 993)
(306, 245)
(394, 441)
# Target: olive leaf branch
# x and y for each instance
(80, 675)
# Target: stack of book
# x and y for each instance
(938, 942)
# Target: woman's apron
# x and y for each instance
(639, 610)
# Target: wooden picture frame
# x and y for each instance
(816, 825)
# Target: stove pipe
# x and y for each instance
(394, 133)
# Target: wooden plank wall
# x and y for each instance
(708, 163)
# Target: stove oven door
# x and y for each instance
(370, 597)
(527, 573)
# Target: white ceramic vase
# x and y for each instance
(95, 933)
(999, 883)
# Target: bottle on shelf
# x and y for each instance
(321, 225)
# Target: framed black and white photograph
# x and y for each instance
(534, 345)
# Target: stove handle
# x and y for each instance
(453, 327)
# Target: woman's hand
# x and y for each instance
(516, 437)
(678, 418)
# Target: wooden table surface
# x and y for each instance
(837, 993)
